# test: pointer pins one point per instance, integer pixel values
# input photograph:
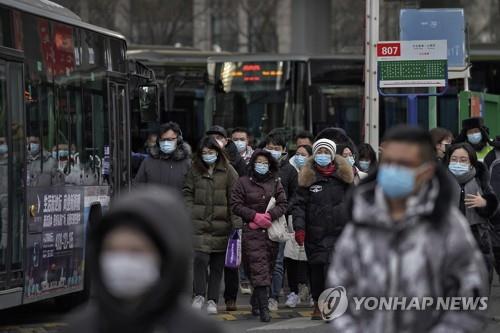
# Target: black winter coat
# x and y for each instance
(319, 208)
(166, 170)
(235, 158)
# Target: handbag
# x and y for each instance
(292, 249)
(233, 251)
(278, 231)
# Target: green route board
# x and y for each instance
(402, 70)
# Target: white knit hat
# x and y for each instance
(325, 143)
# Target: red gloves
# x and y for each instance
(261, 220)
(300, 236)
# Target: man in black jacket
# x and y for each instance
(139, 259)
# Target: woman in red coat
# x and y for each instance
(249, 200)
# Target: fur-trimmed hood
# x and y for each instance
(343, 171)
(182, 152)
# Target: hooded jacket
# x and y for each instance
(431, 253)
(160, 215)
(319, 208)
(251, 195)
(207, 196)
(168, 170)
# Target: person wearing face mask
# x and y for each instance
(249, 200)
(477, 135)
(367, 158)
(207, 190)
(231, 276)
(219, 133)
(139, 257)
(349, 154)
(319, 210)
(441, 138)
(295, 261)
(477, 200)
(172, 163)
(275, 144)
(240, 136)
(41, 166)
(406, 238)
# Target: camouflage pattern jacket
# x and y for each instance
(430, 253)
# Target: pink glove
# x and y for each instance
(263, 220)
(253, 226)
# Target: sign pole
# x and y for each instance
(412, 111)
(371, 91)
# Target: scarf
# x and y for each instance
(326, 171)
(466, 177)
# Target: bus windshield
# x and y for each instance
(254, 95)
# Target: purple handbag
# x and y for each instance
(233, 252)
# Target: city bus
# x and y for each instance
(181, 73)
(289, 93)
(64, 145)
(295, 92)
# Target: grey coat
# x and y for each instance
(168, 170)
(431, 253)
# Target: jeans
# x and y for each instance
(278, 273)
(202, 261)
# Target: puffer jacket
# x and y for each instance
(207, 197)
(251, 195)
(319, 208)
(167, 170)
(430, 254)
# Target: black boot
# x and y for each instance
(263, 300)
(255, 304)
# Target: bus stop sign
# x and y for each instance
(405, 64)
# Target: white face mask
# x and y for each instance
(128, 275)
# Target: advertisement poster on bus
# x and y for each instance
(55, 242)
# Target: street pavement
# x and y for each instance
(46, 318)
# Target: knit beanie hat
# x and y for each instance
(325, 143)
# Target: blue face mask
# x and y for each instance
(364, 165)
(168, 147)
(62, 154)
(323, 159)
(475, 138)
(300, 161)
(4, 149)
(458, 169)
(209, 158)
(276, 154)
(351, 160)
(396, 181)
(34, 148)
(261, 168)
(240, 145)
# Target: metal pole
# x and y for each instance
(432, 108)
(371, 92)
(412, 111)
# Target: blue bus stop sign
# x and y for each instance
(432, 24)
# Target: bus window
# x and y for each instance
(117, 55)
(5, 27)
(18, 161)
(254, 95)
(4, 159)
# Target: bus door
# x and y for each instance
(12, 179)
(120, 134)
